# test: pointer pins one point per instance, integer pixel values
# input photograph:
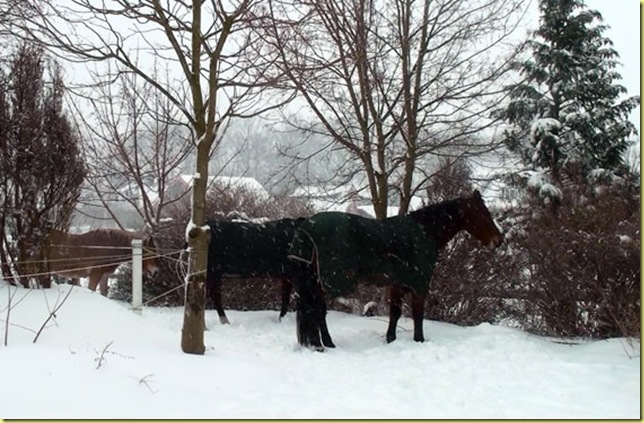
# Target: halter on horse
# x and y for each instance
(246, 250)
(336, 251)
(95, 254)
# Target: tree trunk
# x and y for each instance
(198, 237)
(194, 316)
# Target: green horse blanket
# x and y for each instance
(352, 249)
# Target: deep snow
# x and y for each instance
(254, 368)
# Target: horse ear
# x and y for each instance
(477, 194)
(149, 238)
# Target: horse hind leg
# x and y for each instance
(395, 310)
(287, 287)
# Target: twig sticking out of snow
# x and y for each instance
(53, 313)
(101, 358)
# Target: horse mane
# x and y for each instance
(433, 213)
(100, 236)
(113, 236)
(440, 220)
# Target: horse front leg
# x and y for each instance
(94, 279)
(97, 278)
(103, 284)
(395, 310)
(418, 314)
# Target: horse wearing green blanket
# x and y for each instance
(335, 251)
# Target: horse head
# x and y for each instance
(479, 222)
(150, 256)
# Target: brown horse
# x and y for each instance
(336, 251)
(95, 254)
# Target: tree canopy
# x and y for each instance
(569, 114)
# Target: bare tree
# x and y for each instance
(13, 11)
(453, 179)
(394, 82)
(135, 144)
(217, 76)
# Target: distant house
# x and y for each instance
(347, 199)
(176, 198)
(177, 192)
(86, 217)
(90, 213)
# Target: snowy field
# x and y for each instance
(97, 359)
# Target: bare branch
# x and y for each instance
(52, 314)
(393, 83)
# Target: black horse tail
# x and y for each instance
(306, 308)
(310, 307)
(308, 299)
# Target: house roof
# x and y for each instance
(320, 191)
(233, 182)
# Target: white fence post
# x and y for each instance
(137, 275)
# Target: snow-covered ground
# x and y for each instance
(97, 359)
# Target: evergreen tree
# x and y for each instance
(41, 163)
(568, 115)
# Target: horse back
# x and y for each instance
(246, 249)
(351, 248)
(76, 255)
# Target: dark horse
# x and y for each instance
(336, 251)
(245, 250)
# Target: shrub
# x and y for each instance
(584, 269)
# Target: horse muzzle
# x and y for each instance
(152, 271)
(496, 242)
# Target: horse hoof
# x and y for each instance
(391, 339)
(224, 320)
(421, 339)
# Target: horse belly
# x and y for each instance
(70, 269)
(376, 279)
(248, 264)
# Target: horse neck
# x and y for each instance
(55, 235)
(440, 221)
